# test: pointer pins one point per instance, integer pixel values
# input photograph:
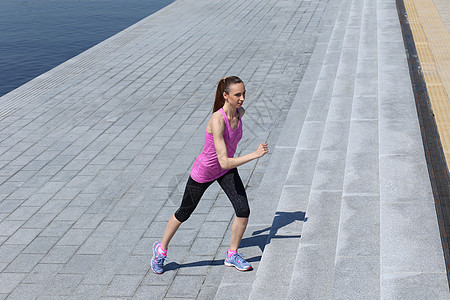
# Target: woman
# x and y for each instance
(217, 163)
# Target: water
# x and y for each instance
(37, 35)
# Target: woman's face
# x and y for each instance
(236, 96)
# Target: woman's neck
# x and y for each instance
(229, 110)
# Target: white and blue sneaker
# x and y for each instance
(157, 260)
(238, 262)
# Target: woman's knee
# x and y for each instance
(243, 212)
(182, 215)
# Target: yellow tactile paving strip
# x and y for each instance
(432, 40)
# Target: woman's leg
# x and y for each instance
(171, 229)
(237, 231)
(232, 184)
(192, 195)
(234, 188)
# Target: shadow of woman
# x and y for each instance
(280, 220)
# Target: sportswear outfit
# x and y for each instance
(207, 169)
(204, 172)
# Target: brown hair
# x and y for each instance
(224, 86)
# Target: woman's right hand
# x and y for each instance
(262, 150)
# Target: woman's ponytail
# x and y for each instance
(223, 86)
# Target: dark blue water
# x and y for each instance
(37, 35)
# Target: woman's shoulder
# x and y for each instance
(216, 120)
(217, 117)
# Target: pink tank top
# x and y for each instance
(206, 167)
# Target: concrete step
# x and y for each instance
(307, 117)
(357, 248)
(411, 257)
(314, 265)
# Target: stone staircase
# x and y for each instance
(346, 208)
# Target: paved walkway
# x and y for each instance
(95, 153)
(432, 41)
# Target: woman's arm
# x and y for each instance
(218, 127)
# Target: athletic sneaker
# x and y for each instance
(238, 262)
(157, 260)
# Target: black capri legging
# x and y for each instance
(231, 183)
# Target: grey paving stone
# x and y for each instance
(322, 218)
(335, 136)
(23, 236)
(419, 250)
(294, 198)
(59, 254)
(37, 200)
(357, 278)
(195, 264)
(329, 171)
(340, 109)
(207, 292)
(359, 228)
(8, 228)
(62, 285)
(186, 286)
(79, 264)
(27, 291)
(315, 281)
(205, 246)
(123, 285)
(281, 282)
(54, 206)
(40, 221)
(2, 266)
(413, 188)
(91, 291)
(9, 281)
(42, 274)
(41, 245)
(120, 213)
(184, 237)
(74, 237)
(165, 280)
(400, 137)
(88, 221)
(23, 263)
(363, 137)
(320, 104)
(150, 292)
(361, 173)
(310, 132)
(107, 266)
(95, 245)
(403, 285)
(9, 252)
(56, 228)
(22, 194)
(22, 213)
(218, 214)
(71, 213)
(135, 265)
